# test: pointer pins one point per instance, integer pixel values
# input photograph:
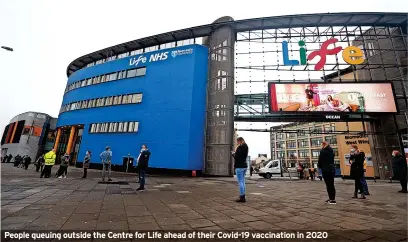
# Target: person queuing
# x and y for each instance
(300, 170)
(40, 163)
(87, 160)
(363, 179)
(326, 164)
(356, 160)
(142, 165)
(17, 160)
(312, 173)
(27, 161)
(9, 158)
(240, 156)
(49, 162)
(63, 169)
(106, 158)
(399, 168)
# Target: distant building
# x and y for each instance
(260, 159)
(265, 155)
(29, 133)
(304, 144)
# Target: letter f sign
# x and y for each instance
(323, 52)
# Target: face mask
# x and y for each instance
(87, 153)
(353, 150)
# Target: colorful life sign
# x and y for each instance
(351, 54)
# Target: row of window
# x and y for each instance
(137, 72)
(145, 50)
(303, 131)
(304, 143)
(114, 127)
(102, 102)
(301, 154)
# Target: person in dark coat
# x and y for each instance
(356, 160)
(87, 160)
(17, 160)
(27, 161)
(240, 156)
(399, 168)
(142, 165)
(40, 163)
(326, 164)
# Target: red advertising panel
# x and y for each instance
(332, 97)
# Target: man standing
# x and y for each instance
(27, 161)
(326, 164)
(49, 162)
(399, 167)
(143, 164)
(240, 155)
(106, 158)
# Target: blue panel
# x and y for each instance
(171, 116)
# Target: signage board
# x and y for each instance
(332, 98)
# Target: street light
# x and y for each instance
(7, 48)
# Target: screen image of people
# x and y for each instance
(332, 97)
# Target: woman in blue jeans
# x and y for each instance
(240, 155)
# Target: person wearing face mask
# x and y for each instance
(326, 164)
(399, 168)
(142, 165)
(87, 160)
(356, 161)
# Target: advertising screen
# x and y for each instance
(332, 97)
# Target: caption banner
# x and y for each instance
(142, 235)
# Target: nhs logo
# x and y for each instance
(152, 58)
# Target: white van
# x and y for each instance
(272, 167)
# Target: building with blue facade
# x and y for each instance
(156, 98)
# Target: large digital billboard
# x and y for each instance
(332, 97)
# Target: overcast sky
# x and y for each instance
(47, 35)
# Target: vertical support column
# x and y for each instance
(57, 139)
(220, 100)
(70, 140)
(9, 132)
(14, 131)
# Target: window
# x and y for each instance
(291, 135)
(332, 140)
(93, 128)
(112, 76)
(115, 127)
(131, 73)
(329, 128)
(131, 124)
(115, 100)
(316, 142)
(141, 71)
(83, 83)
(280, 136)
(103, 78)
(120, 127)
(135, 126)
(89, 81)
(317, 130)
(93, 103)
(291, 145)
(98, 79)
(336, 153)
(303, 153)
(124, 99)
(280, 145)
(85, 104)
(303, 143)
(121, 74)
(280, 154)
(136, 98)
(315, 153)
(292, 154)
(125, 127)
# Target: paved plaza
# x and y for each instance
(177, 203)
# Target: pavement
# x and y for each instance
(29, 203)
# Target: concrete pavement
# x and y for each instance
(180, 203)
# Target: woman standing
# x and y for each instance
(357, 158)
(87, 160)
(399, 167)
(240, 155)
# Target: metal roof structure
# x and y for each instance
(288, 21)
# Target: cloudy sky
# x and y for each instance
(47, 35)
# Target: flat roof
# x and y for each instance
(287, 21)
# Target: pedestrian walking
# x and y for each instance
(49, 162)
(326, 164)
(63, 169)
(142, 165)
(106, 158)
(240, 156)
(27, 161)
(87, 160)
(300, 170)
(356, 161)
(40, 163)
(399, 168)
(312, 172)
(363, 179)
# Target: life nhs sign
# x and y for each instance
(159, 56)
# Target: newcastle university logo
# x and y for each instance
(174, 53)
